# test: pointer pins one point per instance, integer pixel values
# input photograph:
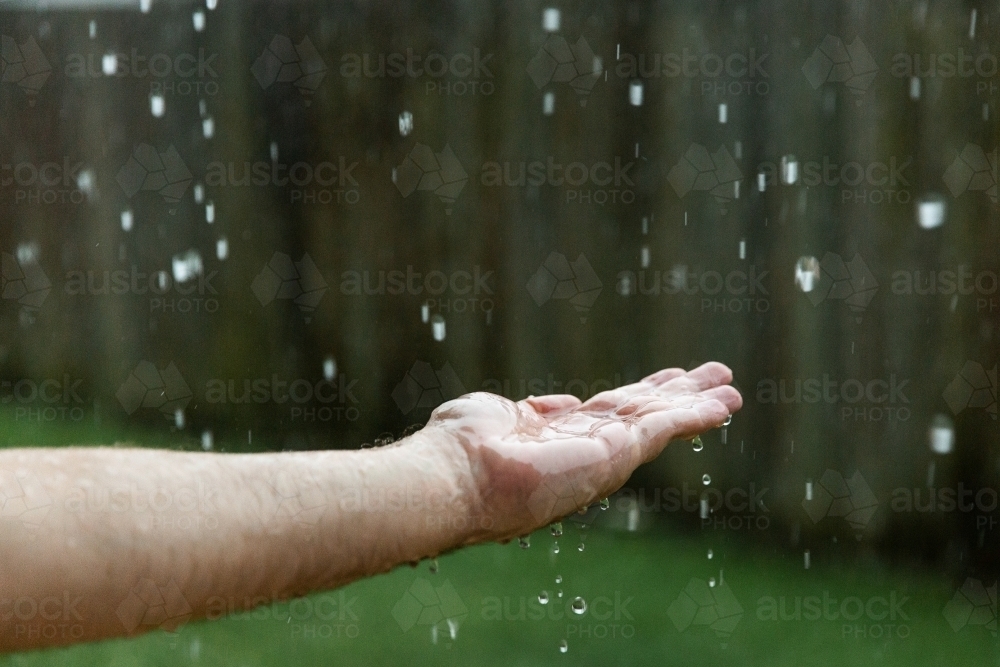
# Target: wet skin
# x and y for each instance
(535, 461)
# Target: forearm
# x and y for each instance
(112, 529)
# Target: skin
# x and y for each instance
(111, 542)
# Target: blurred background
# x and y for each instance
(282, 226)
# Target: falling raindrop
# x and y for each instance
(633, 516)
(453, 627)
(972, 24)
(145, 6)
(723, 113)
(434, 634)
(186, 266)
(703, 507)
(743, 249)
(809, 489)
(438, 328)
(558, 578)
(405, 124)
(425, 313)
(329, 369)
(211, 4)
(931, 467)
(806, 273)
(557, 529)
(433, 566)
(109, 64)
(914, 88)
(706, 480)
(635, 93)
(274, 151)
(222, 248)
(711, 582)
(624, 286)
(127, 220)
(543, 597)
(789, 170)
(761, 182)
(208, 127)
(645, 257)
(986, 110)
(605, 503)
(805, 559)
(27, 253)
(210, 212)
(93, 29)
(198, 19)
(202, 108)
(710, 554)
(549, 103)
(579, 606)
(581, 547)
(645, 225)
(931, 211)
(157, 105)
(179, 418)
(941, 434)
(162, 280)
(555, 547)
(550, 19)
(563, 646)
(524, 541)
(199, 193)
(696, 444)
(206, 441)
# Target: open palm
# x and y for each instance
(535, 461)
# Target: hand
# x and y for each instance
(536, 461)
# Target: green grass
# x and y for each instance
(645, 571)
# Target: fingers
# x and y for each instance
(657, 428)
(659, 377)
(552, 403)
(706, 376)
(727, 395)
